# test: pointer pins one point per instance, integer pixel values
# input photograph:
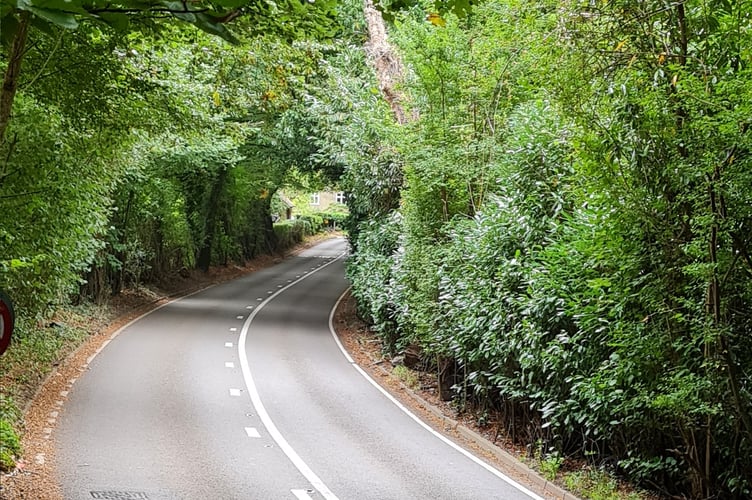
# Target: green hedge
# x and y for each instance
(291, 232)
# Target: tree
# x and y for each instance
(285, 19)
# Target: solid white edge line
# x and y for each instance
(331, 327)
(446, 440)
(298, 462)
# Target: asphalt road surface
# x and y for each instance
(242, 392)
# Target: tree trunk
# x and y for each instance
(10, 81)
(204, 256)
(118, 279)
(385, 60)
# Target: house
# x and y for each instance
(321, 201)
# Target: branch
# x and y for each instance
(146, 11)
(20, 195)
(47, 61)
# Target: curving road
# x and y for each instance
(241, 392)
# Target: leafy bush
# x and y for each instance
(10, 446)
(291, 232)
(574, 230)
(371, 272)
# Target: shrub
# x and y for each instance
(291, 232)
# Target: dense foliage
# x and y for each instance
(572, 243)
(562, 226)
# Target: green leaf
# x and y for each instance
(17, 264)
(62, 19)
(59, 5)
(8, 28)
(43, 25)
(116, 20)
(211, 26)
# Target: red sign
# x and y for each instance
(6, 321)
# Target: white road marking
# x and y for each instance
(239, 316)
(259, 299)
(249, 307)
(234, 392)
(270, 292)
(279, 286)
(420, 422)
(301, 494)
(274, 432)
(229, 364)
(252, 432)
(233, 329)
(228, 344)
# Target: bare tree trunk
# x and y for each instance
(385, 60)
(10, 81)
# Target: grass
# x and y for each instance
(406, 376)
(597, 484)
(10, 446)
(587, 483)
(550, 466)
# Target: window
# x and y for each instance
(315, 199)
(339, 197)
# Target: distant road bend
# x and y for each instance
(242, 392)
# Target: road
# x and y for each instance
(242, 392)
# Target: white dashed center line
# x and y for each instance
(228, 344)
(271, 428)
(301, 494)
(234, 392)
(252, 432)
(229, 364)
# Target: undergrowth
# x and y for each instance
(35, 350)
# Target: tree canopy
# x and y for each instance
(559, 223)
